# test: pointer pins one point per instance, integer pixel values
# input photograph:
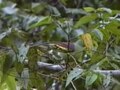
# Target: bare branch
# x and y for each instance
(42, 65)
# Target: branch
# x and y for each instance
(42, 65)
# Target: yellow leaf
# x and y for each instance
(87, 39)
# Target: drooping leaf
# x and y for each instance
(73, 74)
(98, 34)
(85, 19)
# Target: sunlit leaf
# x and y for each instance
(8, 84)
(43, 21)
(105, 9)
(10, 9)
(73, 74)
(89, 9)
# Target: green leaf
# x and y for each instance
(98, 34)
(43, 21)
(104, 9)
(8, 84)
(49, 28)
(63, 1)
(85, 19)
(38, 7)
(89, 9)
(113, 27)
(73, 74)
(115, 66)
(90, 79)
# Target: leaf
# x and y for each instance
(2, 35)
(98, 34)
(54, 10)
(90, 79)
(73, 74)
(87, 39)
(10, 9)
(113, 27)
(38, 7)
(115, 66)
(107, 80)
(8, 84)
(85, 19)
(89, 9)
(43, 21)
(63, 1)
(49, 28)
(23, 49)
(75, 11)
(105, 9)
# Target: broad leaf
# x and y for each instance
(98, 34)
(90, 79)
(89, 9)
(73, 74)
(38, 7)
(113, 27)
(85, 19)
(8, 84)
(43, 21)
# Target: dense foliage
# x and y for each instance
(81, 36)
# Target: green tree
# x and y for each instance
(59, 45)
